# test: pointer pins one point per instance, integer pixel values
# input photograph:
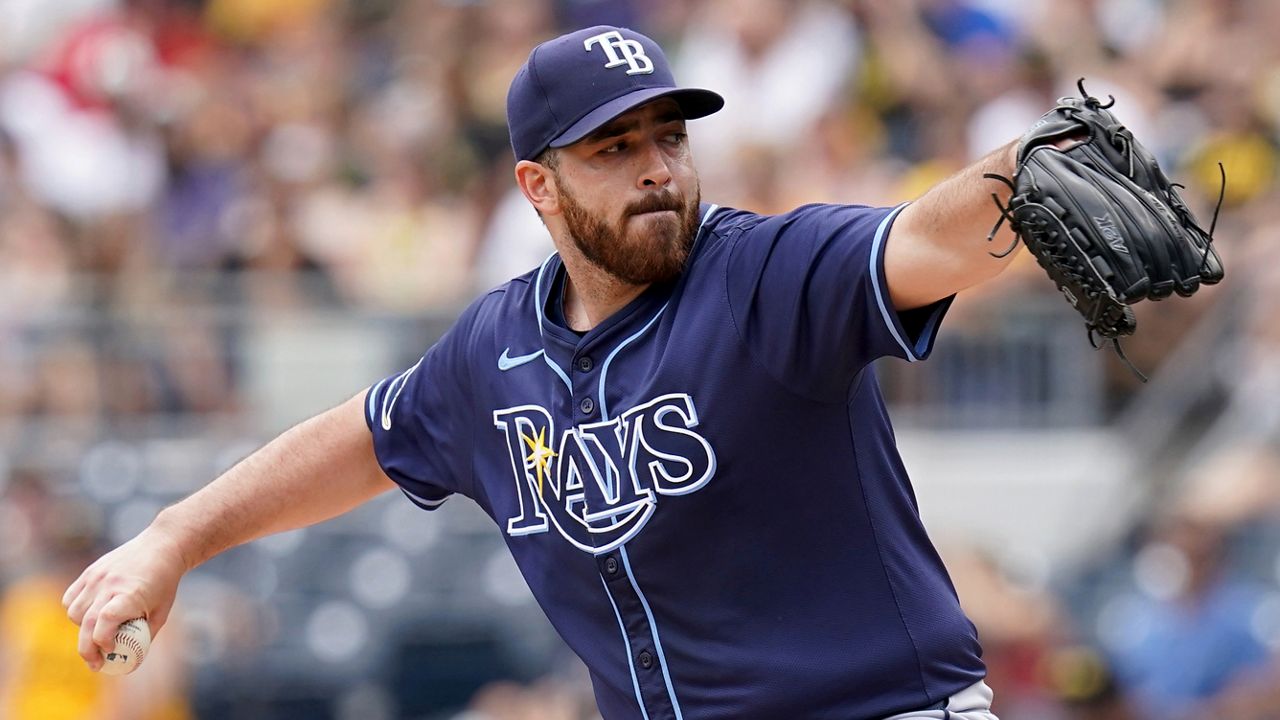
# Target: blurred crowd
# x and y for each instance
(158, 157)
(170, 168)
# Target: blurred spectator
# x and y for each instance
(41, 676)
(1019, 626)
(1191, 631)
(1082, 680)
(779, 66)
(77, 118)
(514, 242)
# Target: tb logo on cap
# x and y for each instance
(621, 51)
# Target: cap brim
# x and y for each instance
(693, 102)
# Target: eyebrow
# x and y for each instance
(611, 129)
(622, 126)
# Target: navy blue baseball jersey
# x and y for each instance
(703, 492)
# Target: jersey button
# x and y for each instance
(646, 660)
(611, 565)
(588, 405)
(585, 363)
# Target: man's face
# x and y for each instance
(629, 194)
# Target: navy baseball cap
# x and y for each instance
(572, 85)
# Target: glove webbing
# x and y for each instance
(1006, 214)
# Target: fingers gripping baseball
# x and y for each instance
(114, 612)
(137, 579)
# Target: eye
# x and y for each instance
(677, 138)
(614, 149)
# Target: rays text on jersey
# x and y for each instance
(601, 483)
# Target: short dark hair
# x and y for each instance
(549, 158)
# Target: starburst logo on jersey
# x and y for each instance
(539, 456)
(601, 483)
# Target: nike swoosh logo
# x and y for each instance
(506, 362)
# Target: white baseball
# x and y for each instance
(133, 640)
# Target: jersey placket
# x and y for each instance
(649, 674)
(650, 678)
(586, 363)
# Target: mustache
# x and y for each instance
(656, 202)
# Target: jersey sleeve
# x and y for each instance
(421, 421)
(807, 290)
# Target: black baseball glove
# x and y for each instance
(1103, 219)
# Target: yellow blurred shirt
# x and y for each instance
(45, 678)
(250, 19)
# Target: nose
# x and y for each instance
(654, 172)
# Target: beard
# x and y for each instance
(654, 251)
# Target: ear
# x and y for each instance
(538, 184)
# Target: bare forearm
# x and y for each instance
(319, 469)
(315, 471)
(959, 211)
(939, 244)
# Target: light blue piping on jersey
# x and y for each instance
(635, 680)
(537, 292)
(424, 502)
(876, 246)
(604, 372)
(372, 410)
(559, 372)
(707, 215)
(604, 369)
(657, 643)
(626, 562)
(537, 307)
(373, 397)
